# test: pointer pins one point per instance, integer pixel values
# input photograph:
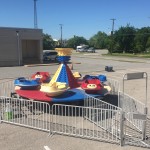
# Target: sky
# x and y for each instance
(78, 17)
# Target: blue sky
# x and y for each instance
(79, 17)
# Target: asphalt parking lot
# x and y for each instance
(19, 138)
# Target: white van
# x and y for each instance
(78, 48)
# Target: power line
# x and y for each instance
(133, 34)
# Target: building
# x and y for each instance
(20, 46)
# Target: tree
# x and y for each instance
(48, 42)
(148, 45)
(75, 41)
(141, 39)
(99, 40)
(124, 38)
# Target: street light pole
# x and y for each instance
(18, 47)
(61, 34)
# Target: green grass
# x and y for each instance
(129, 55)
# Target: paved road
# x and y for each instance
(19, 138)
(82, 62)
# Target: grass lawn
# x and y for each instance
(146, 55)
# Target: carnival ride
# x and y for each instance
(64, 86)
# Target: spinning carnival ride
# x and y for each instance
(63, 87)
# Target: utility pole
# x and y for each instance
(61, 34)
(112, 35)
(35, 15)
(113, 22)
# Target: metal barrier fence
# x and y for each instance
(97, 119)
(79, 121)
(26, 113)
(90, 101)
(133, 136)
(134, 76)
(147, 133)
(6, 88)
(130, 105)
(137, 123)
(115, 86)
(103, 124)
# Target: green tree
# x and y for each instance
(48, 42)
(75, 41)
(148, 44)
(124, 38)
(142, 39)
(99, 40)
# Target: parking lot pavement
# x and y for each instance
(19, 138)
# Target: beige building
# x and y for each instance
(20, 46)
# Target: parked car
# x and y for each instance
(49, 55)
(91, 50)
(82, 48)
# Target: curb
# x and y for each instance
(34, 65)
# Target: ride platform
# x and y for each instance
(71, 95)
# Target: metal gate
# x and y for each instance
(136, 124)
(92, 102)
(87, 122)
(134, 136)
(131, 106)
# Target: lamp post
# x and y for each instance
(18, 47)
(61, 34)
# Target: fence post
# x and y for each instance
(122, 124)
(0, 116)
(119, 99)
(1, 110)
(51, 125)
(144, 125)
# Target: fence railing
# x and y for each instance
(90, 101)
(132, 106)
(97, 119)
(115, 86)
(79, 121)
(133, 136)
(87, 122)
(6, 88)
(26, 113)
